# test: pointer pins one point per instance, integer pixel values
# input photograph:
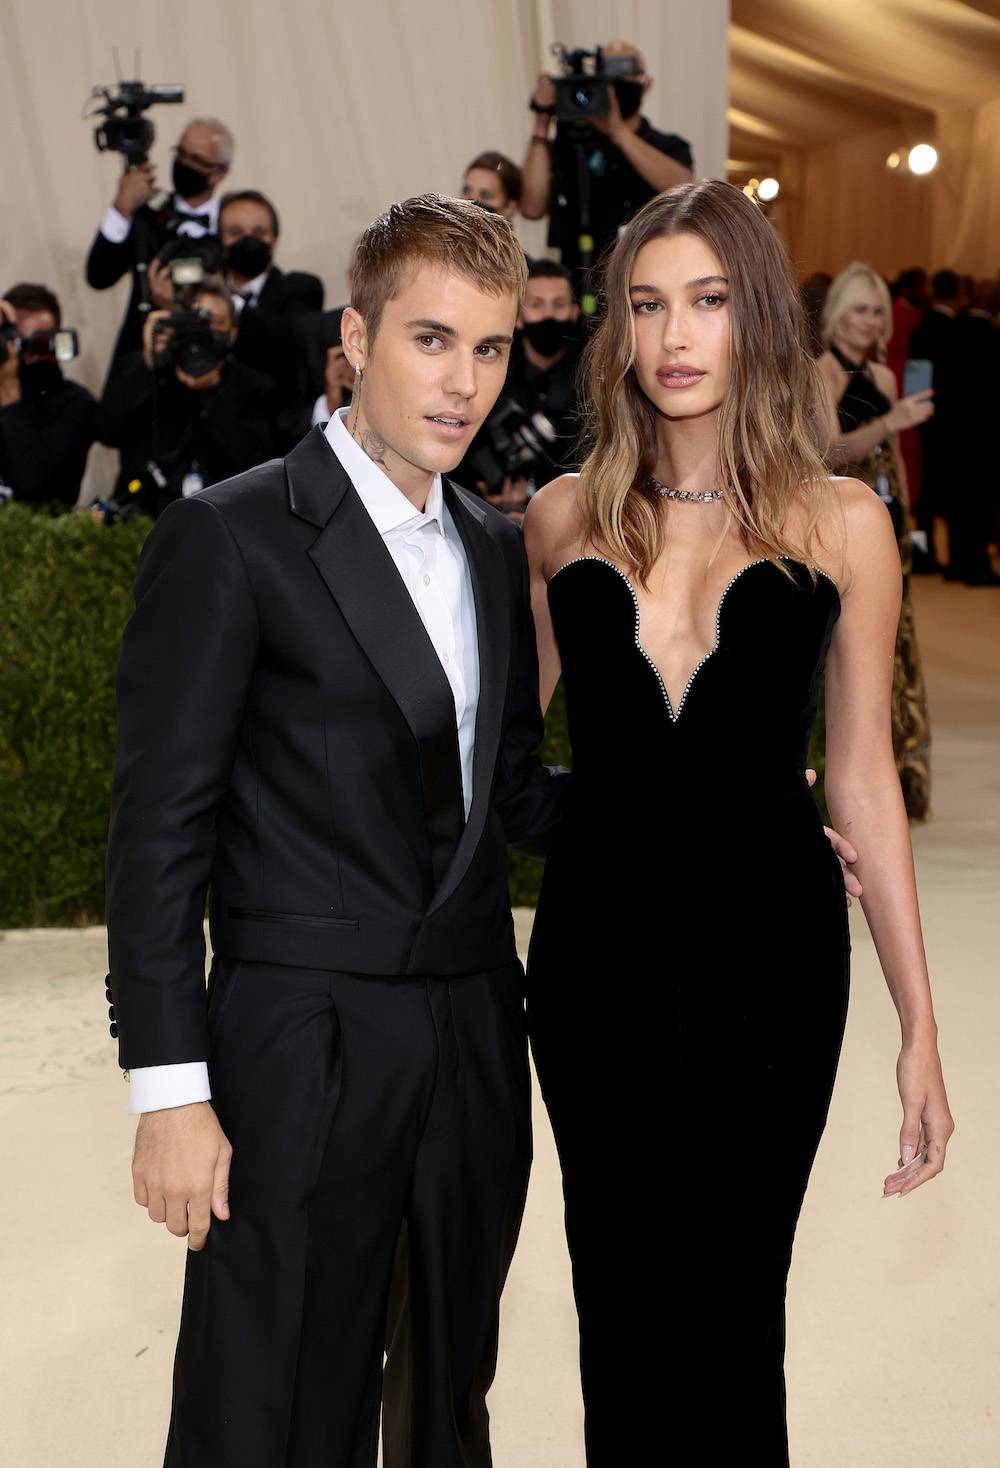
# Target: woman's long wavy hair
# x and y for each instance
(771, 431)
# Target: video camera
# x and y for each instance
(61, 345)
(512, 444)
(582, 92)
(124, 129)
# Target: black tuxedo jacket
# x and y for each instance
(287, 738)
(265, 338)
(107, 262)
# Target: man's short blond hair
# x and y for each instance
(433, 229)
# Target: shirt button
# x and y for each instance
(446, 660)
(427, 581)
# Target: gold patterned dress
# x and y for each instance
(862, 401)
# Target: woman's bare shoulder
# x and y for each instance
(554, 523)
(557, 499)
(848, 511)
(885, 378)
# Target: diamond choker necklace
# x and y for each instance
(702, 496)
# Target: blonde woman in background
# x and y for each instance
(866, 415)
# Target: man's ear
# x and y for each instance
(354, 336)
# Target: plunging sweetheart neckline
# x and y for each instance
(706, 657)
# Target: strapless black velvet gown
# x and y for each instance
(687, 993)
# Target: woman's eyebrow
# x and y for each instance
(699, 280)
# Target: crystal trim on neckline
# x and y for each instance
(671, 713)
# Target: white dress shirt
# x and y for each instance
(249, 294)
(116, 228)
(427, 551)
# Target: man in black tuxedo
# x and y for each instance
(270, 302)
(935, 340)
(328, 715)
(141, 220)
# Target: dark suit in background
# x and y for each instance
(972, 500)
(934, 339)
(220, 431)
(266, 337)
(45, 440)
(288, 741)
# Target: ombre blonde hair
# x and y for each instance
(772, 432)
(852, 282)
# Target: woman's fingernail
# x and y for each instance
(907, 1154)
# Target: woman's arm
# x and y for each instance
(844, 448)
(545, 526)
(866, 803)
(847, 448)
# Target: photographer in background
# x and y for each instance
(268, 301)
(183, 413)
(627, 160)
(531, 435)
(493, 181)
(132, 231)
(46, 423)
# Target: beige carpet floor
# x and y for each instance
(894, 1307)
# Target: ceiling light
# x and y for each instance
(767, 189)
(923, 158)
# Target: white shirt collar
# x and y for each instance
(211, 207)
(253, 288)
(388, 506)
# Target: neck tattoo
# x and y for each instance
(373, 445)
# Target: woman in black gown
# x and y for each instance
(686, 1021)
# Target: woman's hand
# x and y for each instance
(910, 412)
(927, 1120)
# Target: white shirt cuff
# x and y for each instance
(157, 1087)
(321, 410)
(115, 227)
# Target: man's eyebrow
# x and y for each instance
(698, 280)
(438, 326)
(498, 339)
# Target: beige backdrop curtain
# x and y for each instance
(338, 108)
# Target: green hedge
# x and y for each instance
(67, 594)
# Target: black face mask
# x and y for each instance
(248, 256)
(39, 379)
(629, 96)
(189, 182)
(549, 336)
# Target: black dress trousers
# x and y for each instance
(360, 1110)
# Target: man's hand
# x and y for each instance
(150, 349)
(544, 94)
(180, 1170)
(161, 284)
(134, 188)
(613, 125)
(844, 850)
